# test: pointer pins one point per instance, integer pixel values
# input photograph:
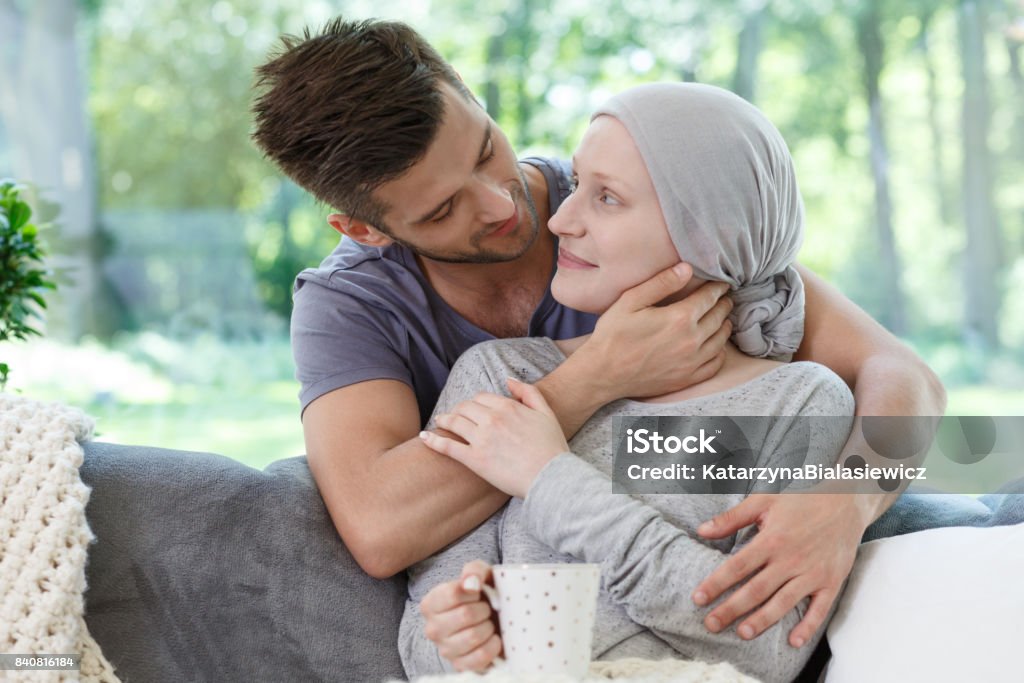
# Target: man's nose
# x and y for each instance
(495, 203)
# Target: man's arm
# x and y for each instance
(807, 543)
(395, 502)
(640, 348)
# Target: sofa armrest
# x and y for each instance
(206, 569)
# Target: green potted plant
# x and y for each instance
(22, 277)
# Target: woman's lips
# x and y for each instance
(569, 260)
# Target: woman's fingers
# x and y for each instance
(445, 446)
(449, 609)
(529, 396)
(465, 641)
(480, 658)
(457, 424)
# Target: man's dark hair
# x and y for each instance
(350, 108)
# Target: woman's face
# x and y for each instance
(612, 234)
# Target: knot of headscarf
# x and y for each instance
(726, 186)
(766, 321)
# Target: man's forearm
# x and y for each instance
(431, 500)
(411, 504)
(573, 394)
(893, 384)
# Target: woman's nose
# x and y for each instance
(565, 221)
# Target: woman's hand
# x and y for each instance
(508, 440)
(460, 622)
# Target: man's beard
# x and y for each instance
(482, 254)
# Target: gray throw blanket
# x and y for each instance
(919, 511)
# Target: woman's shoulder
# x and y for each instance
(811, 388)
(526, 358)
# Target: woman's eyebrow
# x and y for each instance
(483, 146)
(603, 177)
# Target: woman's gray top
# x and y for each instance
(650, 555)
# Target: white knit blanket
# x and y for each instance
(43, 539)
(622, 670)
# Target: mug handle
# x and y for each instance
(491, 593)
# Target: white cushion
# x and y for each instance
(937, 605)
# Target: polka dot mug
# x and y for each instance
(546, 613)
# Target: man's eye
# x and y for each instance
(490, 155)
(443, 217)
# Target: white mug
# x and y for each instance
(546, 613)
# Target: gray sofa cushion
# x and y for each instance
(205, 569)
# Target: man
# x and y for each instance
(448, 247)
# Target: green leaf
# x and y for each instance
(19, 213)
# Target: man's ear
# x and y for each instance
(360, 231)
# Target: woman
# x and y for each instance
(665, 172)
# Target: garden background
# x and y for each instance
(176, 244)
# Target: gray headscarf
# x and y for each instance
(726, 186)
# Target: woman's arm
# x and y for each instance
(420, 656)
(649, 566)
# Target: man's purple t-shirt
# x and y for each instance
(369, 313)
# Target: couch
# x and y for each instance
(205, 569)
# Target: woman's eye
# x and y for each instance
(606, 198)
(574, 182)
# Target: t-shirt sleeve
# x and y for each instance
(338, 340)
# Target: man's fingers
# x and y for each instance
(729, 573)
(821, 603)
(711, 354)
(710, 368)
(749, 597)
(717, 317)
(785, 598)
(651, 291)
(741, 515)
(702, 301)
